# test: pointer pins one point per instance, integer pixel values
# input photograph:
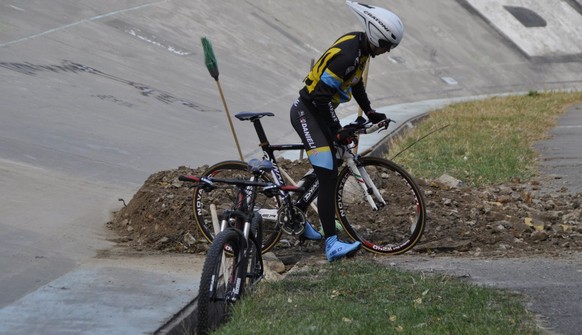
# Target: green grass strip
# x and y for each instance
(483, 142)
(362, 297)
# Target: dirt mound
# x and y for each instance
(510, 220)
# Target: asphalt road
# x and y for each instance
(98, 95)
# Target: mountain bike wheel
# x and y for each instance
(227, 199)
(218, 284)
(395, 227)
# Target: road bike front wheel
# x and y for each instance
(229, 199)
(220, 283)
(398, 223)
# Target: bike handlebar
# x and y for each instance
(367, 127)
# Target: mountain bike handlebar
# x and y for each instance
(268, 188)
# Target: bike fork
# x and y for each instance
(368, 186)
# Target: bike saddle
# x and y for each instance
(243, 116)
(256, 165)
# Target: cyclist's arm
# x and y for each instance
(322, 99)
(359, 93)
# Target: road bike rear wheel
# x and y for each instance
(219, 284)
(228, 199)
(396, 226)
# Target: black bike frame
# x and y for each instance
(269, 153)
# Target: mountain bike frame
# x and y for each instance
(244, 208)
(242, 221)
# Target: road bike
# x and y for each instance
(376, 201)
(234, 262)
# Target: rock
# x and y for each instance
(163, 240)
(448, 181)
(504, 224)
(274, 268)
(539, 235)
(504, 199)
(273, 263)
(188, 239)
(549, 205)
(519, 228)
(573, 218)
(272, 276)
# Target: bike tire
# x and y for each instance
(219, 283)
(394, 228)
(226, 199)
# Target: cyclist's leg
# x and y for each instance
(320, 152)
(325, 200)
(334, 248)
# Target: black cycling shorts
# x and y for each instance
(315, 135)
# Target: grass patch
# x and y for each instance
(483, 142)
(360, 297)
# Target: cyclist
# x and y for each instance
(334, 78)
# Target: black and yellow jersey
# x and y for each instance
(337, 75)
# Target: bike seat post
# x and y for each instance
(260, 132)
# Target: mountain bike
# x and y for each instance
(234, 262)
(376, 201)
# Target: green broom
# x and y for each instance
(212, 67)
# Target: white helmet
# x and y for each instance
(384, 28)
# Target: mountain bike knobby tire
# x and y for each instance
(392, 229)
(220, 281)
(227, 199)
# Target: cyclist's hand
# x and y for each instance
(375, 117)
(346, 136)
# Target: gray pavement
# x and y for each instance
(98, 95)
(562, 153)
